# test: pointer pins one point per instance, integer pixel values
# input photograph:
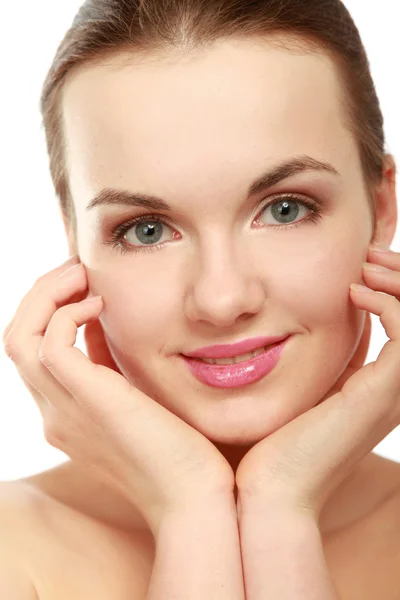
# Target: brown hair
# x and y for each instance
(103, 28)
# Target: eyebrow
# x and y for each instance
(266, 180)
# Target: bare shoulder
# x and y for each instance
(391, 504)
(364, 559)
(17, 510)
(383, 523)
(20, 511)
(62, 553)
(15, 507)
(14, 581)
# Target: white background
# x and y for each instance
(33, 241)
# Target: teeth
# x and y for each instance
(235, 359)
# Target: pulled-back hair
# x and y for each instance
(103, 28)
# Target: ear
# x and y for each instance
(386, 204)
(96, 345)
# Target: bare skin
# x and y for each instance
(200, 153)
(76, 520)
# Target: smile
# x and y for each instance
(235, 359)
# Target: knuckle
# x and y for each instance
(395, 302)
(37, 286)
(50, 436)
(46, 355)
(48, 351)
(53, 434)
(63, 311)
(7, 331)
(39, 281)
(12, 347)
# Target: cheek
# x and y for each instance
(321, 303)
(318, 297)
(136, 312)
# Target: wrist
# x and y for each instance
(274, 510)
(283, 554)
(200, 514)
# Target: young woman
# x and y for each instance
(221, 428)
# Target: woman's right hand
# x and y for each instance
(94, 415)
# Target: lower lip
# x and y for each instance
(237, 375)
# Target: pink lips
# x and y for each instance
(231, 350)
(239, 374)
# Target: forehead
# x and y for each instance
(135, 121)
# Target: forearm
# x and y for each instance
(283, 557)
(198, 556)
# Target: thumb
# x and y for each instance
(96, 345)
(357, 361)
(360, 354)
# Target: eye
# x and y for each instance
(286, 209)
(147, 230)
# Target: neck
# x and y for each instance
(233, 454)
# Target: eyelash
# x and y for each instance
(119, 231)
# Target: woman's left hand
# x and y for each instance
(299, 466)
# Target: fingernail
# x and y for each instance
(359, 287)
(373, 267)
(92, 299)
(70, 269)
(379, 247)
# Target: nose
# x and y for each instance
(224, 290)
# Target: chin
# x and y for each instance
(241, 418)
(233, 429)
(232, 439)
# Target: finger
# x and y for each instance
(312, 454)
(355, 363)
(387, 366)
(40, 304)
(358, 359)
(387, 258)
(40, 282)
(387, 281)
(367, 408)
(96, 346)
(23, 343)
(87, 382)
(360, 415)
(107, 396)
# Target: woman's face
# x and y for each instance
(220, 267)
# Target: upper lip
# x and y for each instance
(237, 349)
